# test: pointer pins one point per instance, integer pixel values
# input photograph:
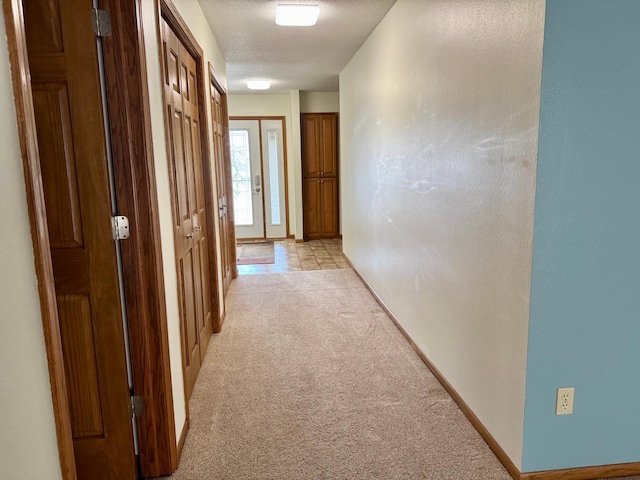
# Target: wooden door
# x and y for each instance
(188, 205)
(328, 135)
(319, 145)
(329, 205)
(311, 156)
(221, 160)
(312, 201)
(69, 121)
(320, 171)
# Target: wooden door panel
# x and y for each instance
(329, 202)
(310, 147)
(51, 103)
(190, 347)
(206, 325)
(328, 150)
(77, 333)
(73, 155)
(312, 199)
(179, 166)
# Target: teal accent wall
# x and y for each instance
(585, 295)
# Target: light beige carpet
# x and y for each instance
(309, 379)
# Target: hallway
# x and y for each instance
(310, 379)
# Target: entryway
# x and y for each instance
(258, 171)
(290, 256)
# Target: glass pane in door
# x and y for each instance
(241, 176)
(274, 174)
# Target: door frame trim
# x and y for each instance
(25, 116)
(215, 82)
(144, 280)
(167, 10)
(130, 124)
(284, 158)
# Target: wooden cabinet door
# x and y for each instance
(71, 139)
(188, 206)
(320, 144)
(328, 141)
(329, 208)
(312, 162)
(312, 201)
(320, 171)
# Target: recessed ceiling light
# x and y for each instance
(297, 14)
(258, 84)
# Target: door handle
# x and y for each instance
(189, 235)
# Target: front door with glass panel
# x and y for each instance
(258, 166)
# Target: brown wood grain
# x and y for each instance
(73, 156)
(77, 334)
(312, 201)
(328, 203)
(586, 473)
(130, 127)
(320, 186)
(222, 161)
(183, 437)
(20, 74)
(191, 186)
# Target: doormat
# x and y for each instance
(256, 253)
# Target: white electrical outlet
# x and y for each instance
(564, 401)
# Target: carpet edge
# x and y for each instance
(466, 410)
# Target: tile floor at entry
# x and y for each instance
(295, 257)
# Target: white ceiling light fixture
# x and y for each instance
(297, 14)
(259, 84)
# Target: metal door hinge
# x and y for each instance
(120, 225)
(101, 22)
(136, 406)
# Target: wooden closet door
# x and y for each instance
(320, 171)
(312, 200)
(328, 142)
(186, 180)
(227, 236)
(330, 228)
(311, 154)
(71, 139)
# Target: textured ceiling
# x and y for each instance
(293, 58)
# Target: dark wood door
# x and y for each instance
(69, 121)
(221, 160)
(320, 171)
(188, 205)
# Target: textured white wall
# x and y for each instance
(28, 445)
(439, 117)
(281, 106)
(319, 102)
(192, 14)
